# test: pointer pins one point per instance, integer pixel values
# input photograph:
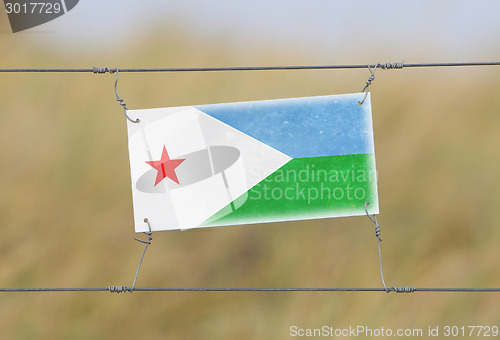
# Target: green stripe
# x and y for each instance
(307, 188)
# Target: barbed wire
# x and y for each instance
(398, 65)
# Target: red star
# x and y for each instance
(166, 167)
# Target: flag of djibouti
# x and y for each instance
(252, 162)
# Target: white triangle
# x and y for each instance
(259, 159)
(222, 164)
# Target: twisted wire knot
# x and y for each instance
(403, 289)
(374, 221)
(368, 83)
(378, 232)
(392, 66)
(118, 289)
(370, 79)
(147, 233)
(103, 70)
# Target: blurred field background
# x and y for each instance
(66, 206)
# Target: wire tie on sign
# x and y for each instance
(374, 220)
(385, 66)
(102, 70)
(118, 99)
(368, 83)
(379, 239)
(148, 233)
(147, 243)
(121, 289)
(377, 235)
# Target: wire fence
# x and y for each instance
(371, 67)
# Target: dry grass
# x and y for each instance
(66, 211)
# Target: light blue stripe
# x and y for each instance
(303, 127)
